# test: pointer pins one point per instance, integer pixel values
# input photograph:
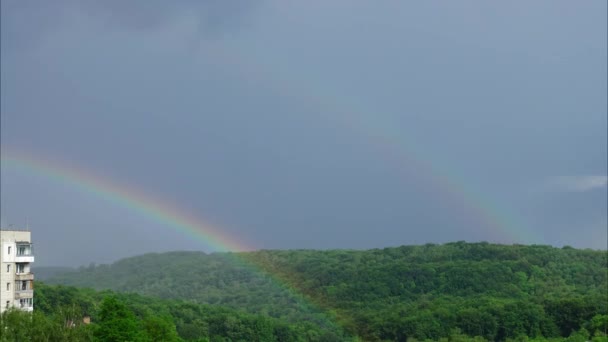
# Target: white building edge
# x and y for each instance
(16, 277)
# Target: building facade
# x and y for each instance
(16, 277)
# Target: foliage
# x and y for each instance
(131, 317)
(494, 292)
(116, 322)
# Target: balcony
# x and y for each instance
(24, 276)
(24, 258)
(25, 252)
(24, 294)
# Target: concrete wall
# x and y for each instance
(8, 267)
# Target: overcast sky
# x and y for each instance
(307, 124)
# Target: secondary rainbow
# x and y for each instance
(346, 111)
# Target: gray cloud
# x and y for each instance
(25, 23)
(306, 124)
(579, 183)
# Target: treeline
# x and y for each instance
(71, 314)
(480, 290)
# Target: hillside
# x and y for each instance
(430, 291)
(193, 276)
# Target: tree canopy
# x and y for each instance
(488, 291)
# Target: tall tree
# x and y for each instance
(117, 323)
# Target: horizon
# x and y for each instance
(76, 267)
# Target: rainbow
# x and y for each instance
(393, 145)
(166, 214)
(338, 109)
(128, 197)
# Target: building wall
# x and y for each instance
(8, 267)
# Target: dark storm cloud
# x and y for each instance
(306, 124)
(25, 23)
(213, 16)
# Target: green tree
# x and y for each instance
(160, 329)
(117, 323)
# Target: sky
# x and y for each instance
(303, 124)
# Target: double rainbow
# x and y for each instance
(392, 143)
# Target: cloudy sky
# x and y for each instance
(309, 124)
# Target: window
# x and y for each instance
(26, 302)
(20, 268)
(9, 249)
(8, 268)
(8, 286)
(24, 249)
(7, 303)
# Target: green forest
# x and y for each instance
(451, 292)
(61, 311)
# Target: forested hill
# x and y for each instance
(430, 291)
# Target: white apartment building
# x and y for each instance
(16, 278)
